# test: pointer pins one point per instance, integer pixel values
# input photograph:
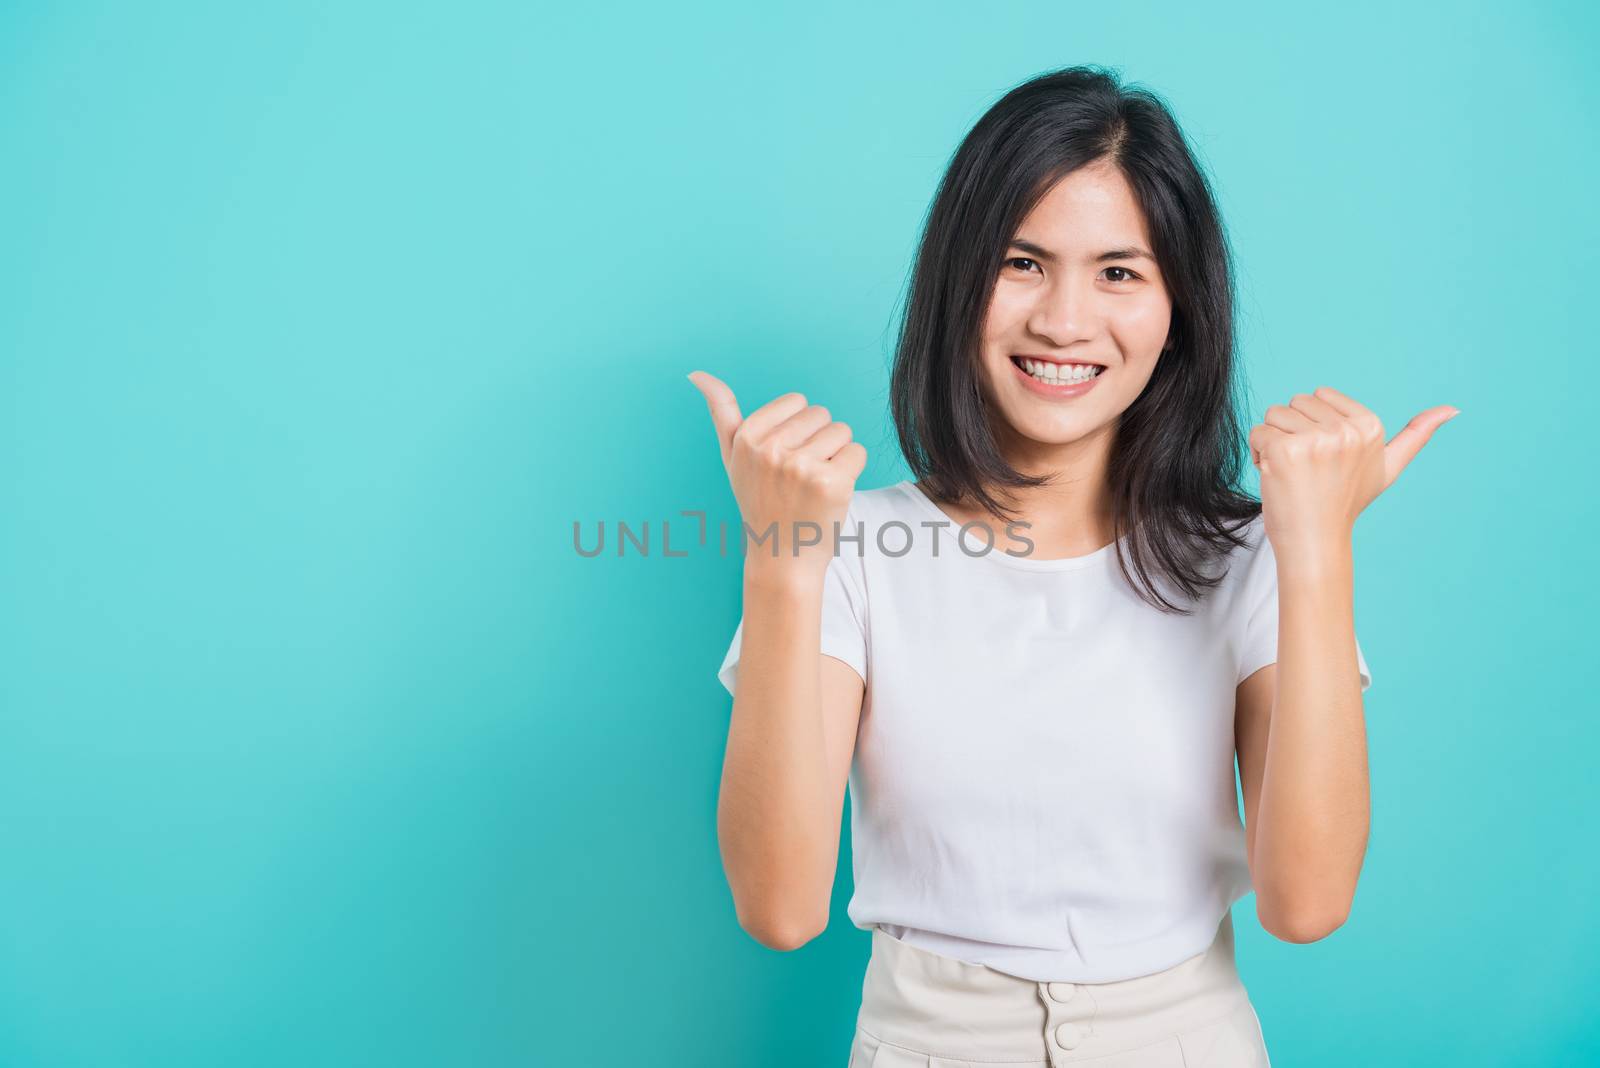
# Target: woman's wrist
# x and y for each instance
(784, 575)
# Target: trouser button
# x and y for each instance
(1068, 1035)
(1061, 991)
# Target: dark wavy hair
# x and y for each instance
(1180, 447)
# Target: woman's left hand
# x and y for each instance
(1323, 459)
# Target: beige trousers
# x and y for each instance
(921, 1009)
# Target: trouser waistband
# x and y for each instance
(942, 1006)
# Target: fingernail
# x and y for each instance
(1454, 411)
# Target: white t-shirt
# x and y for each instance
(1043, 779)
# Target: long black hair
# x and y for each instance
(1179, 448)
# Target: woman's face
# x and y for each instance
(1079, 285)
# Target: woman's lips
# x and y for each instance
(1056, 391)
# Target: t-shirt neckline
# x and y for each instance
(998, 553)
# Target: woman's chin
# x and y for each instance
(1042, 429)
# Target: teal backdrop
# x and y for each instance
(322, 324)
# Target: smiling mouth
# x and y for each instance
(1063, 374)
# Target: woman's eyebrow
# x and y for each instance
(1132, 252)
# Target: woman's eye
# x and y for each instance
(1023, 263)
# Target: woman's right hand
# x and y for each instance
(789, 463)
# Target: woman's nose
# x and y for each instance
(1065, 313)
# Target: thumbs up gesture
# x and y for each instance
(789, 463)
(1323, 459)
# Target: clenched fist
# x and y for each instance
(790, 465)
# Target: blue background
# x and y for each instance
(321, 325)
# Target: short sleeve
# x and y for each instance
(844, 614)
(1257, 603)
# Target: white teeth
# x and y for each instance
(1060, 374)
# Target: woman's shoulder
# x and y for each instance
(1244, 561)
(883, 516)
(884, 503)
(1254, 533)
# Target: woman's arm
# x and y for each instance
(794, 710)
(1302, 743)
(1301, 733)
(795, 713)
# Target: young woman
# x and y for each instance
(1035, 665)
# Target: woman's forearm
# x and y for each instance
(1314, 811)
(777, 823)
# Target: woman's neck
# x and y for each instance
(1072, 516)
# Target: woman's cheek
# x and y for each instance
(1005, 312)
(1146, 327)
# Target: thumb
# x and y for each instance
(1404, 446)
(724, 408)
